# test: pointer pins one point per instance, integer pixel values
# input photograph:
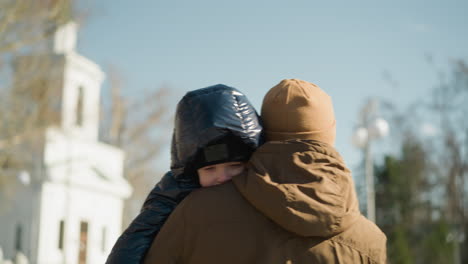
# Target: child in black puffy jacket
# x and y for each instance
(216, 130)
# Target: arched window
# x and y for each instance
(18, 236)
(61, 234)
(79, 107)
(104, 240)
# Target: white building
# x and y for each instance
(70, 209)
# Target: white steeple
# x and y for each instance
(73, 80)
(82, 81)
(64, 40)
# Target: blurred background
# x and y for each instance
(88, 91)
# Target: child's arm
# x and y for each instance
(133, 244)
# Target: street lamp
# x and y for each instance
(24, 177)
(370, 127)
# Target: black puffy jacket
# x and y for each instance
(202, 116)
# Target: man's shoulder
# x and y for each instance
(218, 203)
(214, 195)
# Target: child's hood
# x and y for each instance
(205, 115)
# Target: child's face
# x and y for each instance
(219, 173)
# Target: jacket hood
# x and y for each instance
(302, 185)
(209, 114)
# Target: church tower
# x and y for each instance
(71, 209)
(65, 85)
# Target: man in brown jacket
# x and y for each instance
(296, 203)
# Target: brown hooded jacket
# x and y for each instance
(296, 203)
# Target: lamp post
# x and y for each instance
(370, 127)
(457, 237)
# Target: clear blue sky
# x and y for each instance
(343, 46)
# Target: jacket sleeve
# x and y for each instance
(135, 241)
(169, 246)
